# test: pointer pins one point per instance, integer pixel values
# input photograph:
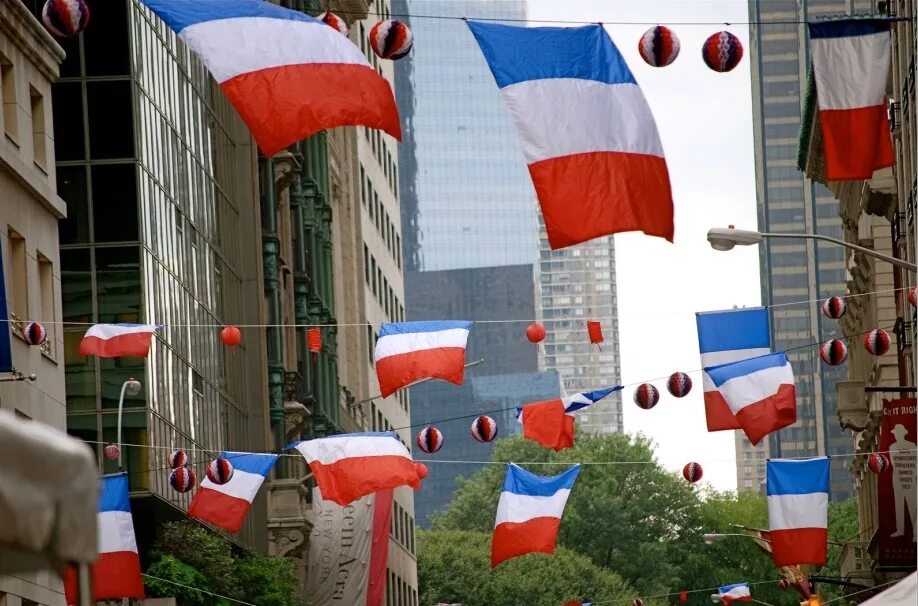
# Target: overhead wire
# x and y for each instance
(198, 589)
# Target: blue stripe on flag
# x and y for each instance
(114, 495)
(251, 462)
(6, 351)
(179, 14)
(723, 373)
(517, 54)
(727, 588)
(804, 476)
(733, 329)
(848, 28)
(593, 396)
(403, 328)
(520, 481)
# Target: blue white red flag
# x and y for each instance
(410, 351)
(738, 592)
(288, 75)
(226, 505)
(585, 130)
(798, 510)
(551, 422)
(6, 350)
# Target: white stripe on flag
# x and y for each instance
(728, 356)
(108, 331)
(790, 511)
(243, 485)
(517, 508)
(332, 450)
(851, 72)
(746, 390)
(393, 345)
(116, 532)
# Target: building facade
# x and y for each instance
(29, 253)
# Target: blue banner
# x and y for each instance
(6, 354)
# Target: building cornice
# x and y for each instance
(30, 36)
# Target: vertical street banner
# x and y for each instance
(896, 485)
(348, 550)
(6, 353)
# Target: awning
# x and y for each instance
(903, 593)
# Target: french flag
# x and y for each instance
(117, 340)
(353, 465)
(851, 60)
(760, 392)
(551, 423)
(725, 337)
(410, 351)
(585, 130)
(288, 75)
(738, 592)
(226, 505)
(529, 512)
(116, 574)
(798, 510)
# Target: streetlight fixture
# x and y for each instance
(726, 238)
(130, 387)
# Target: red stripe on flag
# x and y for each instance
(348, 479)
(718, 414)
(513, 539)
(768, 415)
(128, 344)
(395, 372)
(546, 423)
(219, 509)
(857, 142)
(115, 575)
(799, 546)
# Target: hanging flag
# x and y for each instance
(226, 505)
(529, 512)
(724, 337)
(798, 510)
(409, 351)
(352, 465)
(585, 130)
(6, 351)
(851, 60)
(117, 340)
(594, 329)
(288, 75)
(760, 392)
(551, 422)
(738, 592)
(116, 573)
(314, 337)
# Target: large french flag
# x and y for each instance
(725, 337)
(851, 60)
(760, 392)
(288, 75)
(551, 422)
(410, 351)
(798, 510)
(116, 340)
(226, 505)
(529, 512)
(116, 574)
(353, 465)
(585, 130)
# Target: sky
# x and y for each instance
(705, 123)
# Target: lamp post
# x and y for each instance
(130, 387)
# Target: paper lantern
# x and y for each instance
(877, 462)
(176, 459)
(637, 602)
(333, 20)
(834, 308)
(913, 296)
(231, 336)
(314, 338)
(722, 51)
(646, 396)
(429, 439)
(390, 39)
(535, 332)
(182, 479)
(484, 429)
(679, 384)
(659, 46)
(833, 352)
(594, 329)
(34, 333)
(112, 452)
(783, 584)
(683, 596)
(692, 472)
(877, 342)
(65, 18)
(421, 470)
(220, 471)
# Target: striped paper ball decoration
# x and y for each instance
(220, 471)
(429, 439)
(692, 472)
(833, 352)
(637, 602)
(34, 333)
(722, 51)
(390, 39)
(333, 20)
(783, 584)
(877, 342)
(65, 18)
(679, 384)
(112, 452)
(183, 479)
(484, 429)
(877, 462)
(834, 308)
(176, 459)
(659, 46)
(646, 396)
(913, 296)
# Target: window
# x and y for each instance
(363, 187)
(46, 300)
(366, 264)
(8, 84)
(373, 272)
(19, 290)
(39, 150)
(371, 344)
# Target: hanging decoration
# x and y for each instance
(112, 452)
(421, 470)
(551, 422)
(429, 439)
(334, 21)
(877, 342)
(535, 332)
(390, 39)
(65, 18)
(410, 351)
(692, 472)
(34, 333)
(796, 486)
(913, 296)
(231, 336)
(314, 339)
(877, 462)
(227, 506)
(637, 602)
(220, 471)
(683, 596)
(484, 429)
(176, 459)
(833, 352)
(118, 340)
(679, 384)
(183, 479)
(834, 308)
(659, 46)
(646, 396)
(722, 51)
(594, 329)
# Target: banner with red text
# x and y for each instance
(897, 499)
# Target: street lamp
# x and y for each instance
(726, 238)
(130, 387)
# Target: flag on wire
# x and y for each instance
(798, 510)
(551, 422)
(226, 505)
(738, 592)
(117, 340)
(410, 351)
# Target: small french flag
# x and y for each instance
(117, 340)
(551, 422)
(410, 351)
(798, 510)
(226, 505)
(738, 592)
